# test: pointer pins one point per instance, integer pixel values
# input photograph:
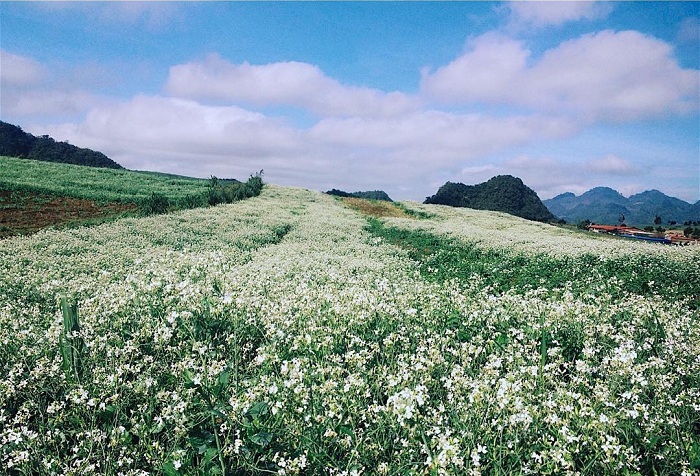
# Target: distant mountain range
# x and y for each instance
(14, 142)
(503, 193)
(604, 205)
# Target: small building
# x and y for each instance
(613, 229)
(629, 232)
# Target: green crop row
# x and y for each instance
(99, 184)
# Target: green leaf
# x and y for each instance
(222, 382)
(201, 441)
(224, 378)
(169, 469)
(258, 409)
(189, 379)
(210, 454)
(694, 456)
(262, 438)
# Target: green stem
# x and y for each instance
(218, 446)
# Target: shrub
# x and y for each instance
(192, 201)
(155, 204)
(229, 191)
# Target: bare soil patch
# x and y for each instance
(375, 208)
(23, 213)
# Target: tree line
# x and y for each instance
(14, 142)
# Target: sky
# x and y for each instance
(393, 96)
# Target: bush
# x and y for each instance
(191, 201)
(155, 204)
(229, 191)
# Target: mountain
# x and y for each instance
(371, 195)
(695, 210)
(605, 205)
(14, 142)
(503, 193)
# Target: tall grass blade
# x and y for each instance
(70, 342)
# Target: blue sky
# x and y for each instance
(398, 96)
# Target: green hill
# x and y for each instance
(14, 142)
(35, 194)
(503, 193)
(95, 183)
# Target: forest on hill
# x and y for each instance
(369, 195)
(503, 193)
(14, 142)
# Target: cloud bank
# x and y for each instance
(542, 14)
(469, 120)
(289, 83)
(18, 70)
(606, 75)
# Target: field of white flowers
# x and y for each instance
(284, 335)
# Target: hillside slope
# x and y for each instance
(36, 194)
(285, 335)
(503, 193)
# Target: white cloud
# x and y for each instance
(45, 102)
(158, 125)
(406, 154)
(484, 73)
(153, 15)
(551, 176)
(33, 90)
(283, 83)
(606, 75)
(613, 165)
(438, 137)
(555, 13)
(16, 70)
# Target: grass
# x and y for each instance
(98, 184)
(442, 259)
(82, 196)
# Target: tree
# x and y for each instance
(657, 220)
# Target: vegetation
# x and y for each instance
(376, 208)
(443, 259)
(78, 195)
(380, 195)
(14, 142)
(99, 184)
(229, 191)
(289, 334)
(502, 193)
